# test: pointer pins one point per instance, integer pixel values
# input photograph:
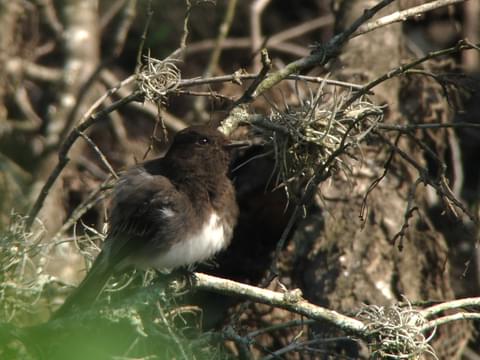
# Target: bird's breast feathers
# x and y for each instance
(196, 247)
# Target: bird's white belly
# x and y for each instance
(196, 248)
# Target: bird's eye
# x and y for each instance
(203, 141)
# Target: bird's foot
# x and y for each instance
(181, 280)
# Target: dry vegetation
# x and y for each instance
(360, 187)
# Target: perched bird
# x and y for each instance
(167, 212)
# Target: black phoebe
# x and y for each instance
(167, 212)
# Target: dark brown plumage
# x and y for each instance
(167, 212)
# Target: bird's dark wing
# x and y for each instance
(140, 204)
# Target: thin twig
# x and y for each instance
(144, 37)
(99, 153)
(107, 94)
(409, 210)
(461, 46)
(123, 27)
(294, 217)
(199, 105)
(222, 34)
(432, 324)
(213, 94)
(118, 127)
(451, 305)
(183, 40)
(173, 335)
(110, 13)
(438, 184)
(236, 78)
(374, 184)
(92, 199)
(247, 95)
(242, 343)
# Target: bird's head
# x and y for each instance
(202, 147)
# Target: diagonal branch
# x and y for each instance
(400, 16)
(322, 54)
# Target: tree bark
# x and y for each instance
(352, 262)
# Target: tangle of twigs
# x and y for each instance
(396, 332)
(158, 77)
(312, 132)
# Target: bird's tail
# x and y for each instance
(89, 289)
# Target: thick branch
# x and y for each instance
(289, 301)
(403, 15)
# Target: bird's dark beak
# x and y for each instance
(237, 144)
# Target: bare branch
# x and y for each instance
(222, 34)
(256, 10)
(199, 105)
(451, 305)
(144, 37)
(99, 153)
(203, 94)
(409, 210)
(183, 40)
(322, 54)
(121, 32)
(110, 13)
(33, 121)
(403, 15)
(18, 66)
(289, 301)
(50, 15)
(450, 318)
(236, 78)
(92, 199)
(266, 66)
(439, 184)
